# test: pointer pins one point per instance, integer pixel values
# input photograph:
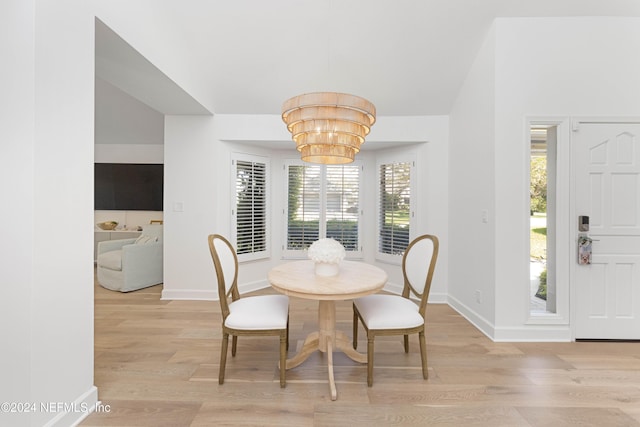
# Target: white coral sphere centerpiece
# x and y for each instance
(326, 254)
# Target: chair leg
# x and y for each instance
(284, 341)
(423, 354)
(223, 357)
(370, 361)
(234, 345)
(406, 343)
(355, 329)
(287, 333)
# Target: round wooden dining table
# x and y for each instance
(354, 279)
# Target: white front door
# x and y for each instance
(607, 189)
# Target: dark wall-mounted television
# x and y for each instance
(128, 186)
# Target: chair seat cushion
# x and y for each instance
(259, 313)
(111, 260)
(388, 312)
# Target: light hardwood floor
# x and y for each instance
(156, 364)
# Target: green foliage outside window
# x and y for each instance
(542, 287)
(538, 188)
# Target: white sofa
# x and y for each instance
(129, 264)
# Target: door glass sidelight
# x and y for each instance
(542, 219)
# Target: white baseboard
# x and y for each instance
(212, 295)
(434, 298)
(76, 411)
(253, 286)
(393, 288)
(524, 333)
(482, 324)
(189, 294)
(209, 295)
(534, 333)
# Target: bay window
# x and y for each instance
(250, 207)
(323, 201)
(395, 211)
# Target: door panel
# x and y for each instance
(607, 189)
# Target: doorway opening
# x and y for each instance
(542, 219)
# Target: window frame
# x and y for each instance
(562, 246)
(410, 158)
(266, 161)
(323, 202)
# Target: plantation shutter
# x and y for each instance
(394, 207)
(251, 207)
(303, 207)
(342, 209)
(323, 201)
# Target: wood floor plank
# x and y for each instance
(233, 414)
(146, 413)
(584, 417)
(417, 415)
(156, 364)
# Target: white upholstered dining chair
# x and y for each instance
(383, 314)
(255, 315)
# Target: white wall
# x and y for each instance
(48, 110)
(50, 237)
(62, 334)
(563, 67)
(471, 184)
(191, 200)
(126, 131)
(17, 163)
(432, 190)
(540, 67)
(173, 87)
(48, 154)
(198, 196)
(122, 119)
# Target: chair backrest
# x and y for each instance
(153, 230)
(225, 262)
(418, 264)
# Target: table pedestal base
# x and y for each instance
(326, 340)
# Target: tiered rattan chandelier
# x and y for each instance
(328, 127)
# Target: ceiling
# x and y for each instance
(409, 57)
